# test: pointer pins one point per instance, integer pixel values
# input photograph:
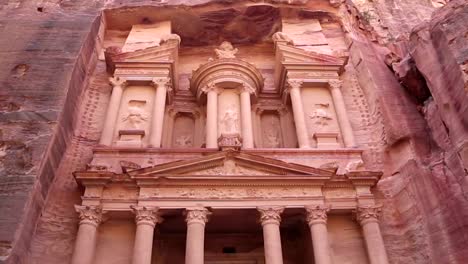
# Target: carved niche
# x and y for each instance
(321, 119)
(271, 129)
(183, 131)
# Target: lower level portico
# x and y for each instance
(231, 236)
(229, 207)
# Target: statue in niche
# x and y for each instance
(136, 115)
(229, 121)
(226, 51)
(321, 115)
(271, 135)
(183, 141)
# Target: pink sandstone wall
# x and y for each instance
(53, 93)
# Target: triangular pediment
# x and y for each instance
(291, 54)
(164, 53)
(230, 163)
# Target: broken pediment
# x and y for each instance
(164, 54)
(290, 54)
(230, 163)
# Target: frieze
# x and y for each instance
(230, 193)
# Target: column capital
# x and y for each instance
(246, 88)
(368, 213)
(117, 81)
(89, 214)
(197, 215)
(317, 214)
(270, 215)
(160, 81)
(146, 215)
(210, 87)
(294, 83)
(335, 84)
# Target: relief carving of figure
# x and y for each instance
(271, 135)
(136, 115)
(321, 115)
(226, 51)
(229, 121)
(184, 141)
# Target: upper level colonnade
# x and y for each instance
(228, 92)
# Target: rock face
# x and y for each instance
(413, 82)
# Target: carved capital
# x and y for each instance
(210, 87)
(117, 81)
(90, 215)
(369, 213)
(146, 215)
(247, 88)
(335, 84)
(317, 214)
(294, 83)
(161, 81)
(197, 215)
(270, 215)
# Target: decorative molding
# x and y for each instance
(146, 215)
(89, 214)
(270, 215)
(197, 215)
(368, 213)
(317, 214)
(230, 141)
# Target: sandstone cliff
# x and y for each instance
(409, 59)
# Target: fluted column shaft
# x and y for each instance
(159, 105)
(196, 219)
(298, 112)
(146, 219)
(341, 113)
(212, 119)
(85, 244)
(270, 219)
(367, 216)
(107, 135)
(317, 220)
(246, 116)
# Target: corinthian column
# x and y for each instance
(270, 219)
(159, 104)
(298, 112)
(85, 244)
(246, 118)
(367, 216)
(196, 219)
(341, 114)
(146, 219)
(107, 135)
(317, 220)
(211, 116)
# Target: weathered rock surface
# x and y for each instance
(50, 86)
